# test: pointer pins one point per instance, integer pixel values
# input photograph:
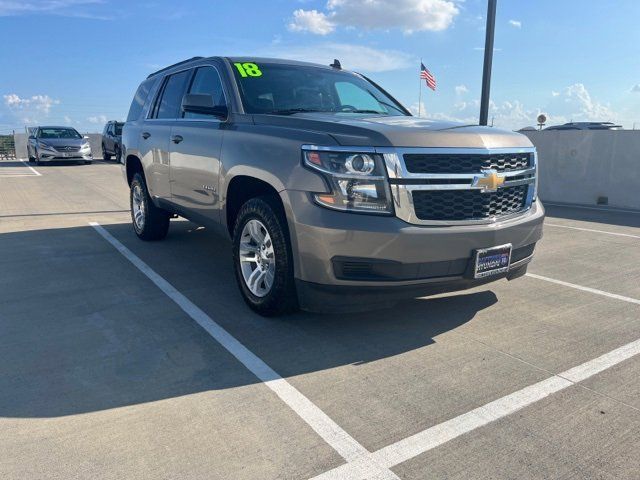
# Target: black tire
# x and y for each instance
(117, 155)
(156, 220)
(105, 156)
(282, 297)
(88, 162)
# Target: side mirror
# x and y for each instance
(86, 137)
(203, 104)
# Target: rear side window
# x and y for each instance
(174, 89)
(138, 100)
(207, 81)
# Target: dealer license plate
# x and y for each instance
(492, 261)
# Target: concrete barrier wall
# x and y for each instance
(95, 140)
(578, 166)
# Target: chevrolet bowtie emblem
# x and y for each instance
(488, 181)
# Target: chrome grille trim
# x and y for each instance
(404, 183)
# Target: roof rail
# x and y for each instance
(174, 65)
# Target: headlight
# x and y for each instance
(357, 181)
(45, 146)
(85, 146)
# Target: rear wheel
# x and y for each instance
(149, 222)
(105, 156)
(118, 155)
(263, 260)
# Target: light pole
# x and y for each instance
(488, 60)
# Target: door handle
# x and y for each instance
(177, 138)
(146, 135)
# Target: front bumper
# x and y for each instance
(62, 157)
(384, 251)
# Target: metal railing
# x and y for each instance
(7, 147)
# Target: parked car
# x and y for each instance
(112, 141)
(335, 197)
(47, 144)
(586, 126)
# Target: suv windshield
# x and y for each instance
(58, 133)
(288, 89)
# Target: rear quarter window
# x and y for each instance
(139, 100)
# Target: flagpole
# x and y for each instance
(420, 89)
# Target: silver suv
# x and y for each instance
(335, 197)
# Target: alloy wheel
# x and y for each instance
(257, 258)
(139, 207)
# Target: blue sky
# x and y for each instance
(78, 62)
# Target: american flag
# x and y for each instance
(428, 77)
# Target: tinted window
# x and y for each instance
(206, 81)
(174, 90)
(138, 100)
(352, 95)
(58, 133)
(280, 88)
(118, 128)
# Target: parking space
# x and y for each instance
(105, 375)
(17, 168)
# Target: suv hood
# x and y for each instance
(398, 131)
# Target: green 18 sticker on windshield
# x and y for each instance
(248, 69)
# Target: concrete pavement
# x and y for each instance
(102, 375)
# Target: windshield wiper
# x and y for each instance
(291, 111)
(367, 111)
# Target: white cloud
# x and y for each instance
(583, 107)
(407, 15)
(352, 57)
(515, 23)
(554, 93)
(461, 89)
(636, 88)
(97, 119)
(311, 21)
(37, 103)
(68, 8)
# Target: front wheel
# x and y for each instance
(149, 222)
(105, 156)
(262, 257)
(118, 155)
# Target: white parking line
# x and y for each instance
(591, 230)
(362, 464)
(330, 431)
(585, 289)
(31, 168)
(437, 435)
(17, 173)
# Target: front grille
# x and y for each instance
(457, 205)
(466, 163)
(67, 149)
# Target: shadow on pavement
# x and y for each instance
(621, 218)
(82, 330)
